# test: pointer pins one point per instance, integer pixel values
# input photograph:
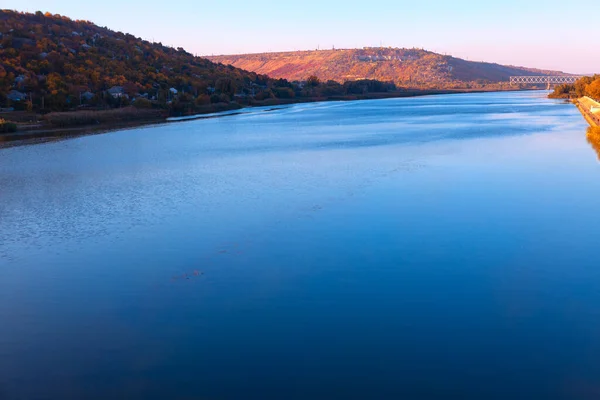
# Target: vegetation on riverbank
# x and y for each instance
(586, 86)
(62, 73)
(593, 138)
(51, 63)
(7, 126)
(59, 123)
(114, 116)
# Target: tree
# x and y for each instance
(131, 89)
(284, 92)
(202, 100)
(581, 84)
(313, 81)
(225, 86)
(593, 89)
(563, 91)
(142, 103)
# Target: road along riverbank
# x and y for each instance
(586, 105)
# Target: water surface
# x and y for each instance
(423, 248)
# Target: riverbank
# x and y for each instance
(584, 105)
(78, 123)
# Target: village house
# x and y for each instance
(116, 92)
(15, 95)
(87, 96)
(20, 79)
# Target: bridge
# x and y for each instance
(544, 79)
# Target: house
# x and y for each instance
(20, 79)
(15, 95)
(173, 90)
(116, 91)
(86, 46)
(87, 96)
(18, 42)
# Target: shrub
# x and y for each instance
(284, 92)
(594, 130)
(142, 103)
(202, 100)
(78, 118)
(7, 126)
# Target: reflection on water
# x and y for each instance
(593, 138)
(425, 248)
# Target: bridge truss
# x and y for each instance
(540, 79)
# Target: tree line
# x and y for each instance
(586, 86)
(53, 63)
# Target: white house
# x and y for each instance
(116, 91)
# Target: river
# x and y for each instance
(422, 248)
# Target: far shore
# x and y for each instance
(43, 132)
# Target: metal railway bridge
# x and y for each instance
(543, 79)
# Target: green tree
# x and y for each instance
(313, 81)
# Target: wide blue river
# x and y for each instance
(442, 247)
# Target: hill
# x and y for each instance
(405, 67)
(52, 63)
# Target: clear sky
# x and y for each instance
(534, 33)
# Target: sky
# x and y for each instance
(533, 33)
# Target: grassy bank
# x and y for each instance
(114, 116)
(7, 126)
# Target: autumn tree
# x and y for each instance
(581, 84)
(593, 89)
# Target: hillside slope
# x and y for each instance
(406, 67)
(57, 63)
